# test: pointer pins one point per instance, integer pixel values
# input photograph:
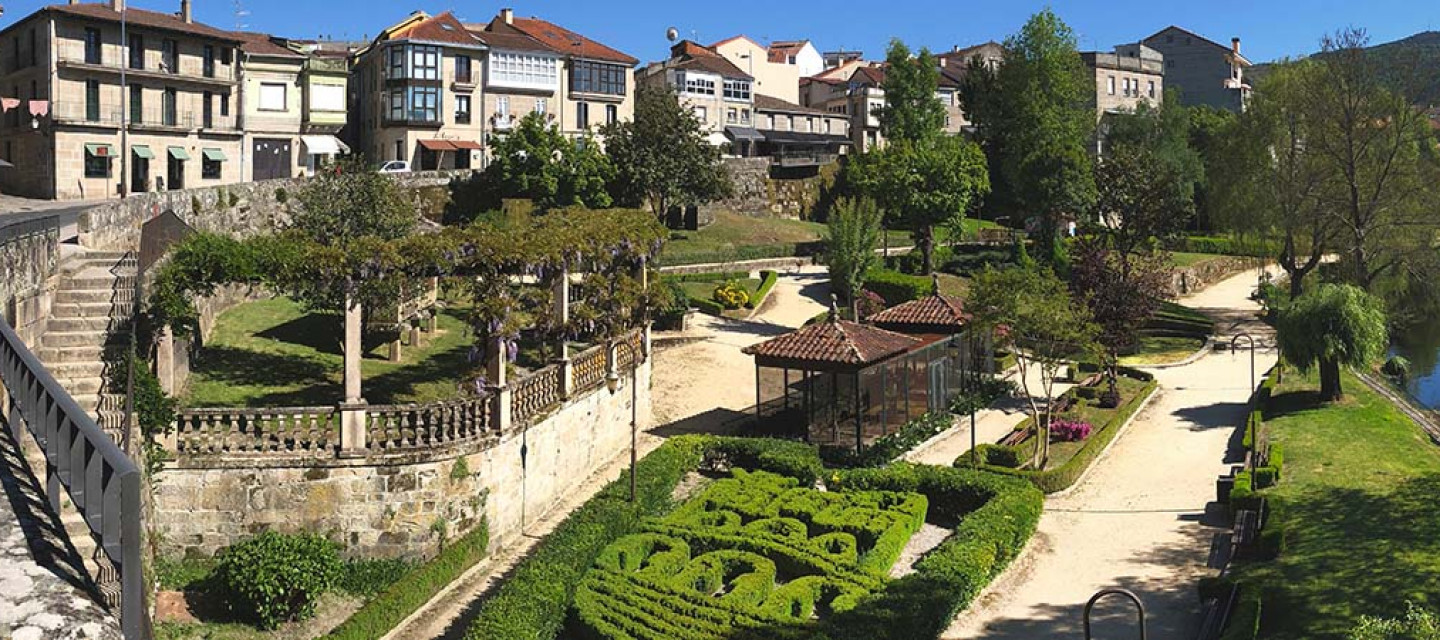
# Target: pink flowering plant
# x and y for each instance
(1070, 430)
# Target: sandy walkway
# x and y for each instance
(699, 384)
(1144, 519)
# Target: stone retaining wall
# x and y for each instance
(391, 508)
(763, 192)
(241, 209)
(30, 255)
(1198, 276)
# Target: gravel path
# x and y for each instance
(700, 385)
(1145, 518)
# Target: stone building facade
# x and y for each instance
(1206, 72)
(178, 104)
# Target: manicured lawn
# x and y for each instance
(1163, 350)
(736, 237)
(1358, 500)
(272, 353)
(1191, 259)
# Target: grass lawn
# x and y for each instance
(272, 353)
(1163, 350)
(1179, 311)
(1358, 500)
(735, 237)
(1191, 259)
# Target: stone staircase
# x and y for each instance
(83, 346)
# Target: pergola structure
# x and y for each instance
(845, 384)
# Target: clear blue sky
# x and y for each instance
(1268, 28)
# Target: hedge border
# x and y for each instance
(768, 278)
(1000, 515)
(412, 591)
(1065, 476)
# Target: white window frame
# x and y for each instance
(265, 98)
(736, 89)
(540, 106)
(1110, 84)
(522, 70)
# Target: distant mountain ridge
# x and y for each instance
(1410, 64)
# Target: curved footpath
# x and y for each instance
(1145, 517)
(700, 383)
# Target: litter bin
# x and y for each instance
(1223, 485)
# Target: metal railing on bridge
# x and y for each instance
(102, 482)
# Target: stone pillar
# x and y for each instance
(352, 410)
(645, 321)
(499, 389)
(165, 360)
(561, 300)
(415, 335)
(432, 321)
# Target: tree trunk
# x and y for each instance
(927, 250)
(1330, 381)
(1297, 279)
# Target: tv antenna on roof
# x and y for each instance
(240, 15)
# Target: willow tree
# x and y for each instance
(1331, 326)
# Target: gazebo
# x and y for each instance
(845, 384)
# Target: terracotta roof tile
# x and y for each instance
(689, 55)
(768, 103)
(781, 50)
(260, 44)
(930, 311)
(443, 28)
(506, 37)
(834, 342)
(568, 42)
(144, 18)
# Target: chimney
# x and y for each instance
(508, 15)
(117, 5)
(1235, 45)
(185, 11)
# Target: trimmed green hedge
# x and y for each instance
(891, 446)
(1245, 617)
(707, 305)
(380, 615)
(1226, 245)
(996, 516)
(534, 602)
(1062, 477)
(767, 282)
(719, 276)
(896, 287)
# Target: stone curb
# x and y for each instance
(1189, 360)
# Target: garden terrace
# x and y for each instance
(854, 383)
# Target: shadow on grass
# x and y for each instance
(319, 331)
(243, 367)
(1293, 402)
(399, 385)
(1352, 552)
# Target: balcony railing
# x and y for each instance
(465, 77)
(83, 113)
(803, 158)
(462, 117)
(73, 53)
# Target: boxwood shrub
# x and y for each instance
(896, 287)
(277, 577)
(767, 282)
(382, 613)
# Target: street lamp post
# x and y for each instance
(124, 106)
(612, 382)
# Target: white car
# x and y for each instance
(395, 166)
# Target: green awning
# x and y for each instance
(99, 149)
(178, 153)
(142, 151)
(214, 155)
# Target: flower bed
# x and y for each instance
(1070, 460)
(995, 515)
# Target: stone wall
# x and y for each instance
(390, 508)
(242, 209)
(30, 255)
(1198, 276)
(763, 192)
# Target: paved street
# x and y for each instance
(16, 209)
(1144, 519)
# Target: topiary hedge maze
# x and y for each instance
(754, 551)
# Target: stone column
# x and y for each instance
(499, 389)
(165, 360)
(645, 321)
(352, 410)
(561, 298)
(415, 335)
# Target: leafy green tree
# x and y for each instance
(1163, 134)
(852, 233)
(537, 162)
(662, 158)
(1383, 157)
(1332, 325)
(352, 201)
(923, 184)
(1270, 182)
(1036, 121)
(1208, 129)
(1031, 313)
(1140, 197)
(911, 112)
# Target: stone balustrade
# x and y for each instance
(298, 434)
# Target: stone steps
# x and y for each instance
(84, 353)
(90, 338)
(113, 310)
(90, 296)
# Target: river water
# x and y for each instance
(1421, 346)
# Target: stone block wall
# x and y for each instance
(242, 209)
(1196, 277)
(389, 508)
(29, 260)
(763, 192)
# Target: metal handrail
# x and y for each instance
(102, 482)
